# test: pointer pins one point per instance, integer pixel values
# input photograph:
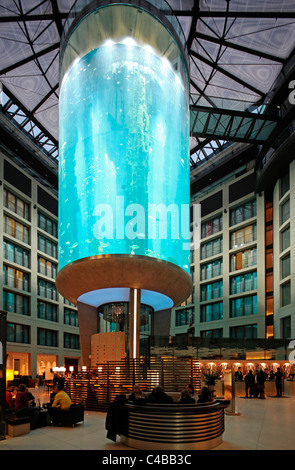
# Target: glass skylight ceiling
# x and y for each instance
(237, 50)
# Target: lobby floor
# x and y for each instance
(261, 425)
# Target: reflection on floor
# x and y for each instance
(261, 425)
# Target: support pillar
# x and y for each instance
(134, 323)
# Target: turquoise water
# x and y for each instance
(124, 150)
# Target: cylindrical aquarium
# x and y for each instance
(124, 184)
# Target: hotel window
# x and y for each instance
(67, 302)
(285, 294)
(47, 289)
(47, 224)
(269, 258)
(47, 311)
(268, 235)
(285, 211)
(18, 333)
(184, 317)
(16, 205)
(285, 264)
(71, 341)
(269, 283)
(212, 312)
(212, 269)
(47, 267)
(285, 239)
(286, 327)
(269, 305)
(243, 212)
(47, 246)
(71, 317)
(16, 303)
(16, 254)
(284, 185)
(46, 337)
(243, 283)
(217, 333)
(244, 306)
(243, 259)
(16, 229)
(211, 226)
(243, 332)
(211, 291)
(211, 248)
(243, 236)
(15, 278)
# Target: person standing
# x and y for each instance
(250, 384)
(278, 381)
(260, 384)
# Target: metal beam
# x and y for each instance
(227, 74)
(234, 14)
(57, 17)
(45, 98)
(248, 50)
(29, 59)
(234, 113)
(190, 38)
(227, 133)
(19, 18)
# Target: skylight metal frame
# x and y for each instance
(25, 16)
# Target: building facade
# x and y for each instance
(243, 265)
(42, 327)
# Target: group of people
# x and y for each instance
(255, 384)
(18, 398)
(159, 396)
(21, 402)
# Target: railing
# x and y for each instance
(97, 387)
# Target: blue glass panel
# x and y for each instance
(124, 151)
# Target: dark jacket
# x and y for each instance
(250, 380)
(158, 396)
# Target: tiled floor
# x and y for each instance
(261, 425)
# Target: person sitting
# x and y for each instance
(205, 395)
(185, 397)
(21, 399)
(10, 400)
(24, 406)
(159, 396)
(61, 399)
(137, 396)
(191, 390)
(31, 399)
(61, 403)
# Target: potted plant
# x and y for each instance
(210, 380)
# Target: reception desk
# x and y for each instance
(174, 426)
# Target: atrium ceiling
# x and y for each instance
(240, 54)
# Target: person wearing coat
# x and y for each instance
(249, 384)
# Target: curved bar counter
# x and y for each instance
(174, 426)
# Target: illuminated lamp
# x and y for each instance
(9, 375)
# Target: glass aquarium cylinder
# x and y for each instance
(124, 183)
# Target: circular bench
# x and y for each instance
(174, 426)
